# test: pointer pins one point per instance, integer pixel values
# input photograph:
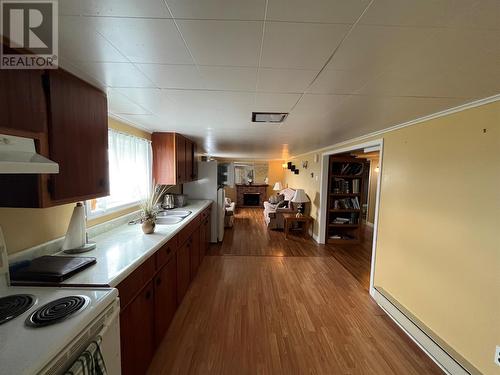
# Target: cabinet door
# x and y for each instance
(205, 238)
(195, 252)
(165, 298)
(180, 156)
(78, 138)
(164, 160)
(22, 101)
(183, 269)
(137, 333)
(194, 161)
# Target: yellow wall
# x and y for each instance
(438, 249)
(26, 227)
(310, 183)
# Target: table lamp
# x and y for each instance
(277, 186)
(300, 197)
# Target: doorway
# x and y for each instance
(349, 207)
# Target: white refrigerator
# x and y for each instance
(206, 188)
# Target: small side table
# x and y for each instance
(292, 218)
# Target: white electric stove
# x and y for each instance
(44, 329)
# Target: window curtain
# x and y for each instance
(130, 169)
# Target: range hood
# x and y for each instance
(18, 155)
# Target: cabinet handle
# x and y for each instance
(158, 281)
(148, 294)
(101, 182)
(168, 250)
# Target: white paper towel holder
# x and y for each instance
(87, 246)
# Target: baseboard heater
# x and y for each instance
(441, 353)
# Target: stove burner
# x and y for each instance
(14, 305)
(57, 311)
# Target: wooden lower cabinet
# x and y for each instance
(183, 269)
(195, 253)
(137, 332)
(205, 235)
(165, 298)
(150, 295)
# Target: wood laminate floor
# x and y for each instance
(259, 307)
(250, 236)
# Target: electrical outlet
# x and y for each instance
(497, 355)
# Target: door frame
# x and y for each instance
(324, 202)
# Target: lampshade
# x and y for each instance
(300, 196)
(277, 186)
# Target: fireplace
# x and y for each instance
(253, 195)
(251, 199)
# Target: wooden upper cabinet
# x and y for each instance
(78, 138)
(68, 120)
(173, 158)
(22, 101)
(180, 157)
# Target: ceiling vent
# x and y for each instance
(271, 117)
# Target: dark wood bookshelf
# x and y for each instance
(343, 203)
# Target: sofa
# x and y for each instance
(273, 212)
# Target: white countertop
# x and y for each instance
(121, 250)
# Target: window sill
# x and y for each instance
(109, 211)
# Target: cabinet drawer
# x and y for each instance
(188, 230)
(166, 252)
(132, 285)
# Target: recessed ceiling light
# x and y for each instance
(272, 117)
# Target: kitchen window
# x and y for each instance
(130, 174)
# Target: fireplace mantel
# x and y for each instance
(241, 190)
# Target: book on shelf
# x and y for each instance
(340, 186)
(341, 237)
(351, 169)
(355, 186)
(346, 204)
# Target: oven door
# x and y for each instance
(110, 343)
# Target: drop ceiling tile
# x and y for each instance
(79, 41)
(332, 11)
(442, 13)
(152, 99)
(285, 80)
(332, 81)
(121, 105)
(173, 76)
(228, 43)
(416, 80)
(378, 48)
(313, 109)
(116, 74)
(215, 109)
(267, 102)
(228, 78)
(114, 8)
(145, 40)
(300, 45)
(218, 9)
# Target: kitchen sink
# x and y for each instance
(170, 219)
(176, 213)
